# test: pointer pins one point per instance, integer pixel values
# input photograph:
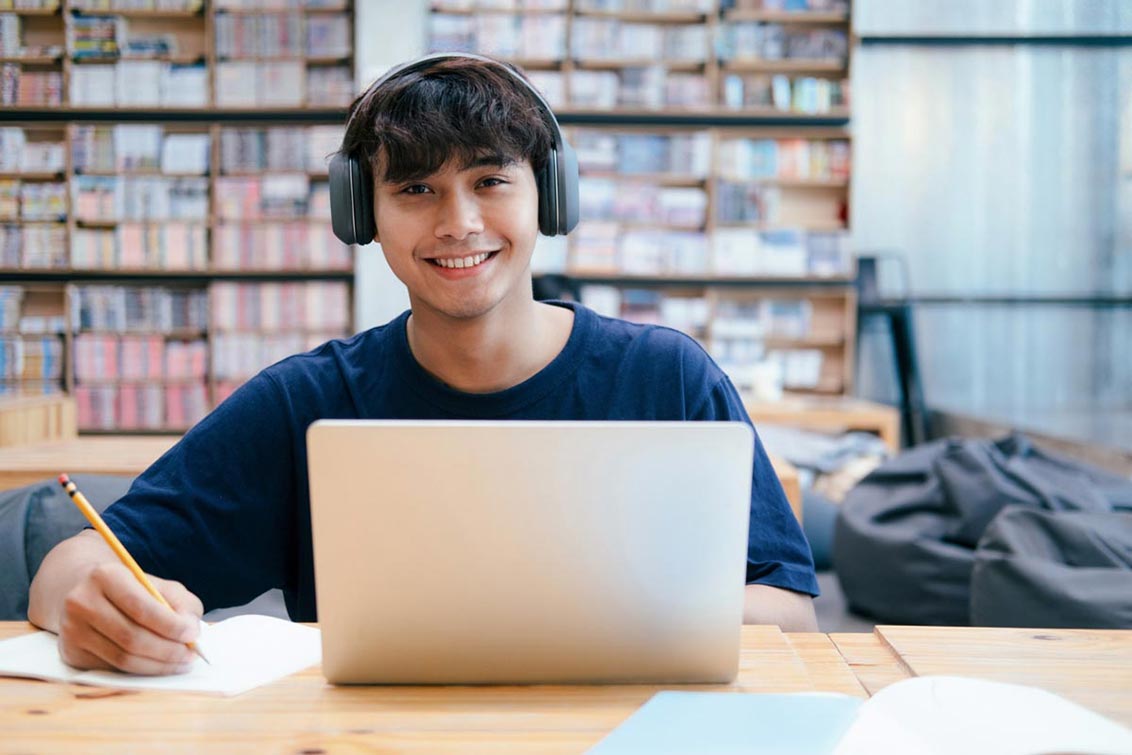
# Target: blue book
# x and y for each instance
(707, 723)
(924, 715)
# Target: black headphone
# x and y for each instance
(351, 185)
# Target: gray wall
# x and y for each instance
(1000, 170)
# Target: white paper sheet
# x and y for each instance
(245, 652)
(936, 715)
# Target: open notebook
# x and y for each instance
(245, 652)
(928, 715)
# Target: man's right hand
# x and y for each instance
(105, 618)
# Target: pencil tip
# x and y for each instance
(203, 657)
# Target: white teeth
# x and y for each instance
(462, 262)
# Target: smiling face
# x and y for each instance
(453, 146)
(461, 238)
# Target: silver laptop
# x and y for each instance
(527, 552)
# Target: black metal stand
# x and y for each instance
(914, 418)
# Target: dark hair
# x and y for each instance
(460, 109)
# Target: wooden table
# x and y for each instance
(131, 454)
(303, 714)
(830, 414)
(106, 454)
(36, 419)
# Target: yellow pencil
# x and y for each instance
(116, 546)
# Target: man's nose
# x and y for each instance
(459, 216)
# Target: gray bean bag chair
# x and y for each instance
(33, 519)
(905, 537)
(1044, 569)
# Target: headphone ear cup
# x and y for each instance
(568, 200)
(351, 200)
(363, 209)
(546, 223)
(363, 203)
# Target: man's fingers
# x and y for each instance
(183, 601)
(119, 640)
(131, 599)
(91, 649)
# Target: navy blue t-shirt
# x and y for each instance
(226, 511)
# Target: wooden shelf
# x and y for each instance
(691, 66)
(307, 59)
(329, 10)
(786, 65)
(134, 173)
(822, 226)
(655, 225)
(702, 280)
(137, 432)
(276, 332)
(34, 60)
(273, 172)
(175, 333)
(191, 277)
(270, 220)
(280, 11)
(539, 64)
(439, 8)
(32, 176)
(142, 381)
(645, 17)
(811, 342)
(46, 289)
(828, 387)
(659, 179)
(142, 13)
(106, 223)
(106, 59)
(820, 18)
(772, 112)
(56, 11)
(792, 183)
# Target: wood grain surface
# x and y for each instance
(304, 714)
(1090, 667)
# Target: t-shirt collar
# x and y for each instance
(498, 404)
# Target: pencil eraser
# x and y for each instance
(64, 479)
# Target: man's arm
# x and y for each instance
(104, 617)
(791, 611)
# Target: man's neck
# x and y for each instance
(493, 352)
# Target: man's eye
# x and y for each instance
(492, 182)
(415, 189)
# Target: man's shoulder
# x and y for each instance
(647, 339)
(358, 347)
(338, 361)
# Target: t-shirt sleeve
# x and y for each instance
(216, 512)
(777, 551)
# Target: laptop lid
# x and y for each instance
(522, 552)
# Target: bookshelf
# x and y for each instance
(164, 224)
(715, 164)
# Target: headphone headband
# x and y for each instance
(425, 61)
(351, 190)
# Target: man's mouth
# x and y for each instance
(459, 263)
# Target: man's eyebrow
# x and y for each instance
(479, 161)
(495, 161)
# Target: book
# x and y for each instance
(917, 716)
(245, 652)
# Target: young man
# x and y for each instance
(454, 146)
